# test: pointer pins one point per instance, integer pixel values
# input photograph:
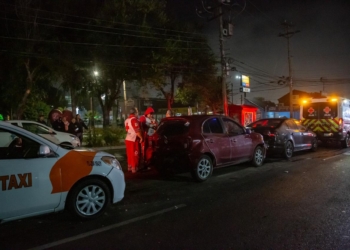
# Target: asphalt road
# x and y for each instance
(297, 204)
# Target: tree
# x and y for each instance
(128, 32)
(183, 59)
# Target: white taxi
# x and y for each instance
(39, 177)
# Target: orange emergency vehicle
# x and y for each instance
(329, 118)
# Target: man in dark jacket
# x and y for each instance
(58, 125)
(82, 126)
(74, 128)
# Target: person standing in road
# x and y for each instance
(82, 126)
(144, 129)
(132, 140)
(150, 129)
(41, 120)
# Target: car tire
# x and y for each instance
(258, 156)
(88, 199)
(288, 150)
(314, 145)
(346, 141)
(203, 169)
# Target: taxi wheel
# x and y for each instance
(259, 156)
(88, 199)
(203, 169)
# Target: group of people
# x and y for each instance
(75, 126)
(140, 140)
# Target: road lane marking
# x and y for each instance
(87, 234)
(333, 156)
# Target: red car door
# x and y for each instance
(217, 140)
(241, 143)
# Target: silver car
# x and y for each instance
(60, 138)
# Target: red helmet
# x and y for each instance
(149, 110)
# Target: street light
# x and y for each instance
(92, 122)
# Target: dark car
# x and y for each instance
(285, 135)
(200, 143)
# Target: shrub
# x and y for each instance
(110, 136)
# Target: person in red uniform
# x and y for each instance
(151, 126)
(132, 140)
(147, 126)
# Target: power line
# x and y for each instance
(97, 19)
(98, 44)
(110, 33)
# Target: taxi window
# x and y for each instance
(16, 146)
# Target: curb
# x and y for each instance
(109, 147)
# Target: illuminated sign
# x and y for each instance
(245, 81)
(243, 89)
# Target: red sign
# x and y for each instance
(327, 110)
(310, 110)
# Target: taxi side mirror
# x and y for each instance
(44, 150)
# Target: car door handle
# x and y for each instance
(209, 140)
(233, 140)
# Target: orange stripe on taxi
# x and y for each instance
(63, 175)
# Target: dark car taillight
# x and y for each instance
(272, 135)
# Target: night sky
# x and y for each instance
(320, 49)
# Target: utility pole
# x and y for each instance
(223, 64)
(220, 9)
(288, 35)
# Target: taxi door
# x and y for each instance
(25, 187)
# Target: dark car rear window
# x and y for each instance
(170, 128)
(271, 123)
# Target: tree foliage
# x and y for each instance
(54, 47)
